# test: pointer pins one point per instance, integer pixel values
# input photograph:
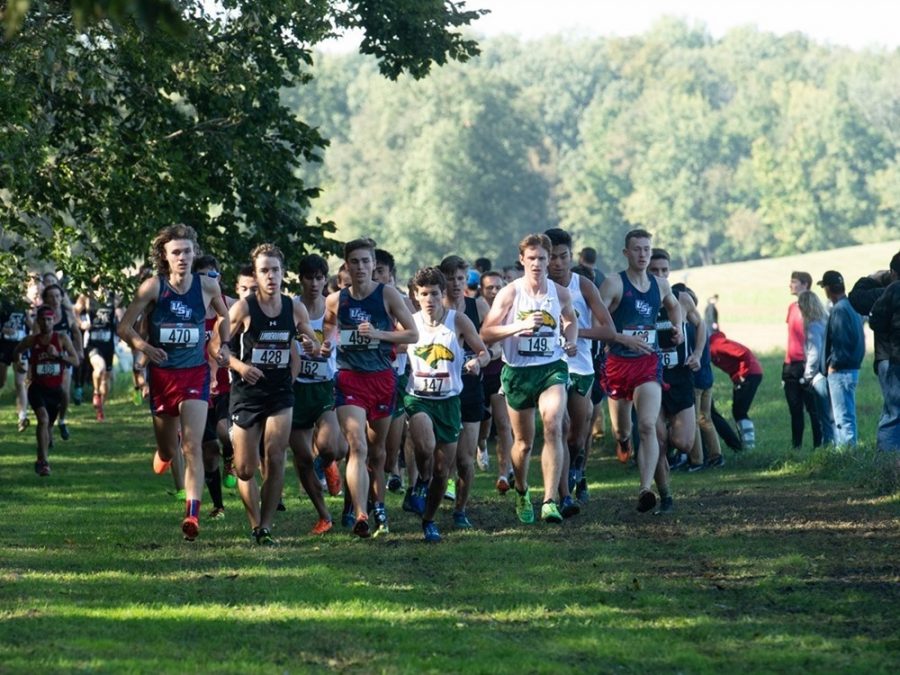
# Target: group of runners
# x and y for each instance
(366, 376)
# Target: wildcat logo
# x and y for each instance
(643, 308)
(434, 354)
(546, 318)
(181, 310)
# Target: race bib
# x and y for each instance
(48, 369)
(179, 335)
(101, 335)
(431, 385)
(267, 357)
(313, 370)
(647, 335)
(535, 345)
(669, 358)
(351, 340)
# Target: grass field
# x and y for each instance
(782, 561)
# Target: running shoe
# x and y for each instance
(281, 506)
(623, 450)
(95, 401)
(716, 462)
(347, 519)
(575, 475)
(678, 462)
(333, 479)
(569, 507)
(42, 468)
(322, 526)
(229, 476)
(646, 501)
(407, 501)
(217, 513)
(23, 424)
(263, 537)
(361, 527)
(430, 530)
(461, 520)
(484, 459)
(502, 485)
(63, 430)
(581, 491)
(450, 492)
(394, 483)
(524, 508)
(694, 468)
(549, 512)
(666, 505)
(419, 497)
(381, 522)
(77, 395)
(180, 495)
(190, 527)
(100, 416)
(160, 465)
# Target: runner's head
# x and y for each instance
(560, 254)
(659, 263)
(534, 253)
(491, 283)
(482, 265)
(429, 284)
(637, 249)
(800, 281)
(385, 270)
(268, 268)
(313, 271)
(456, 272)
(207, 266)
(588, 257)
(52, 296)
(359, 256)
(45, 319)
(173, 249)
(246, 282)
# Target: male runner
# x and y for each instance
(65, 324)
(526, 316)
(15, 324)
(264, 366)
(49, 349)
(632, 371)
(365, 316)
(101, 346)
(175, 303)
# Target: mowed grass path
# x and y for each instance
(780, 561)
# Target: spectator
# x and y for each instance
(814, 322)
(845, 347)
(482, 265)
(711, 313)
(745, 372)
(885, 322)
(796, 394)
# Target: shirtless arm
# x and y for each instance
(465, 329)
(493, 329)
(146, 294)
(239, 321)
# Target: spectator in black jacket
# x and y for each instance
(884, 319)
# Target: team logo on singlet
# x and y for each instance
(181, 310)
(546, 318)
(643, 308)
(359, 315)
(434, 354)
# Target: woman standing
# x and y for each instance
(813, 381)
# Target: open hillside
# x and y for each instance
(753, 296)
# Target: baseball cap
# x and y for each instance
(474, 278)
(832, 278)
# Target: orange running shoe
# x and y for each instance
(623, 450)
(321, 527)
(333, 479)
(160, 466)
(190, 527)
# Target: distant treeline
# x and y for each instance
(749, 146)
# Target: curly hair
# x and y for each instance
(268, 250)
(165, 235)
(429, 276)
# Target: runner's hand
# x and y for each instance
(224, 356)
(325, 351)
(472, 367)
(693, 362)
(155, 354)
(252, 375)
(570, 348)
(635, 344)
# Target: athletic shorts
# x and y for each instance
(311, 401)
(218, 410)
(45, 397)
(621, 376)
(680, 393)
(471, 399)
(106, 351)
(170, 386)
(597, 393)
(524, 386)
(402, 381)
(376, 392)
(445, 415)
(6, 351)
(248, 409)
(581, 384)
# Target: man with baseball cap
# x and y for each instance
(845, 347)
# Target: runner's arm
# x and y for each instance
(602, 326)
(692, 314)
(493, 329)
(569, 320)
(146, 294)
(465, 329)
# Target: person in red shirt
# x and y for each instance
(745, 372)
(796, 393)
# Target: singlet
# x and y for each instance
(46, 370)
(471, 383)
(436, 360)
(177, 325)
(266, 344)
(12, 323)
(357, 352)
(636, 315)
(315, 370)
(223, 382)
(581, 363)
(672, 355)
(103, 327)
(63, 327)
(534, 348)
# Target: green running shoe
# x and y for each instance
(450, 493)
(524, 508)
(549, 512)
